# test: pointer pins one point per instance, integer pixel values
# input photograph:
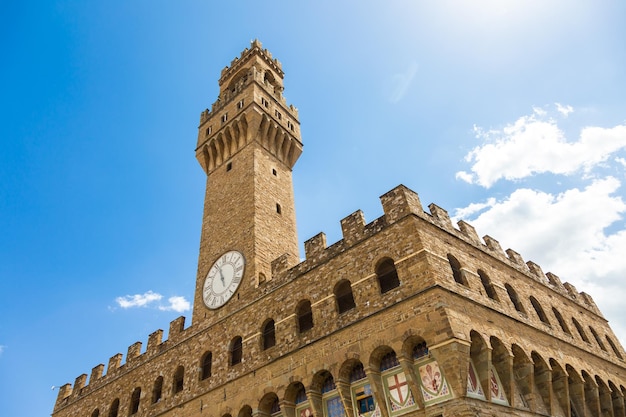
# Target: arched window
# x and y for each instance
(269, 335)
(275, 410)
(157, 390)
(539, 310)
(457, 274)
(580, 329)
(390, 360)
(329, 384)
(95, 413)
(344, 297)
(304, 316)
(489, 290)
(236, 351)
(387, 276)
(134, 401)
(362, 390)
(559, 318)
(332, 404)
(598, 340)
(205, 366)
(514, 298)
(115, 407)
(301, 395)
(614, 347)
(177, 383)
(420, 350)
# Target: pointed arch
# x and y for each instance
(487, 285)
(502, 361)
(514, 298)
(268, 334)
(457, 273)
(562, 323)
(581, 331)
(523, 371)
(598, 340)
(304, 316)
(576, 385)
(206, 363)
(387, 275)
(115, 408)
(134, 401)
(560, 387)
(157, 390)
(614, 347)
(269, 405)
(542, 376)
(343, 296)
(246, 411)
(539, 310)
(178, 380)
(235, 351)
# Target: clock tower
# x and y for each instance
(247, 145)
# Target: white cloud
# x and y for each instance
(138, 300)
(401, 82)
(566, 234)
(2, 349)
(564, 110)
(473, 208)
(177, 303)
(534, 144)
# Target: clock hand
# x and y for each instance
(222, 277)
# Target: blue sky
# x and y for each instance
(509, 114)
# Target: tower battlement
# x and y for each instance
(401, 202)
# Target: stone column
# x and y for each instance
(453, 357)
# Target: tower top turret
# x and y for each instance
(254, 53)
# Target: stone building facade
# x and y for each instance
(405, 315)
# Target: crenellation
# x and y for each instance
(554, 280)
(353, 227)
(536, 271)
(65, 391)
(96, 373)
(315, 246)
(571, 290)
(516, 259)
(133, 352)
(114, 363)
(176, 328)
(493, 245)
(282, 263)
(154, 340)
(400, 202)
(590, 303)
(469, 231)
(375, 226)
(79, 383)
(441, 217)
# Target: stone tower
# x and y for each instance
(247, 145)
(408, 315)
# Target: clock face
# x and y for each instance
(223, 279)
